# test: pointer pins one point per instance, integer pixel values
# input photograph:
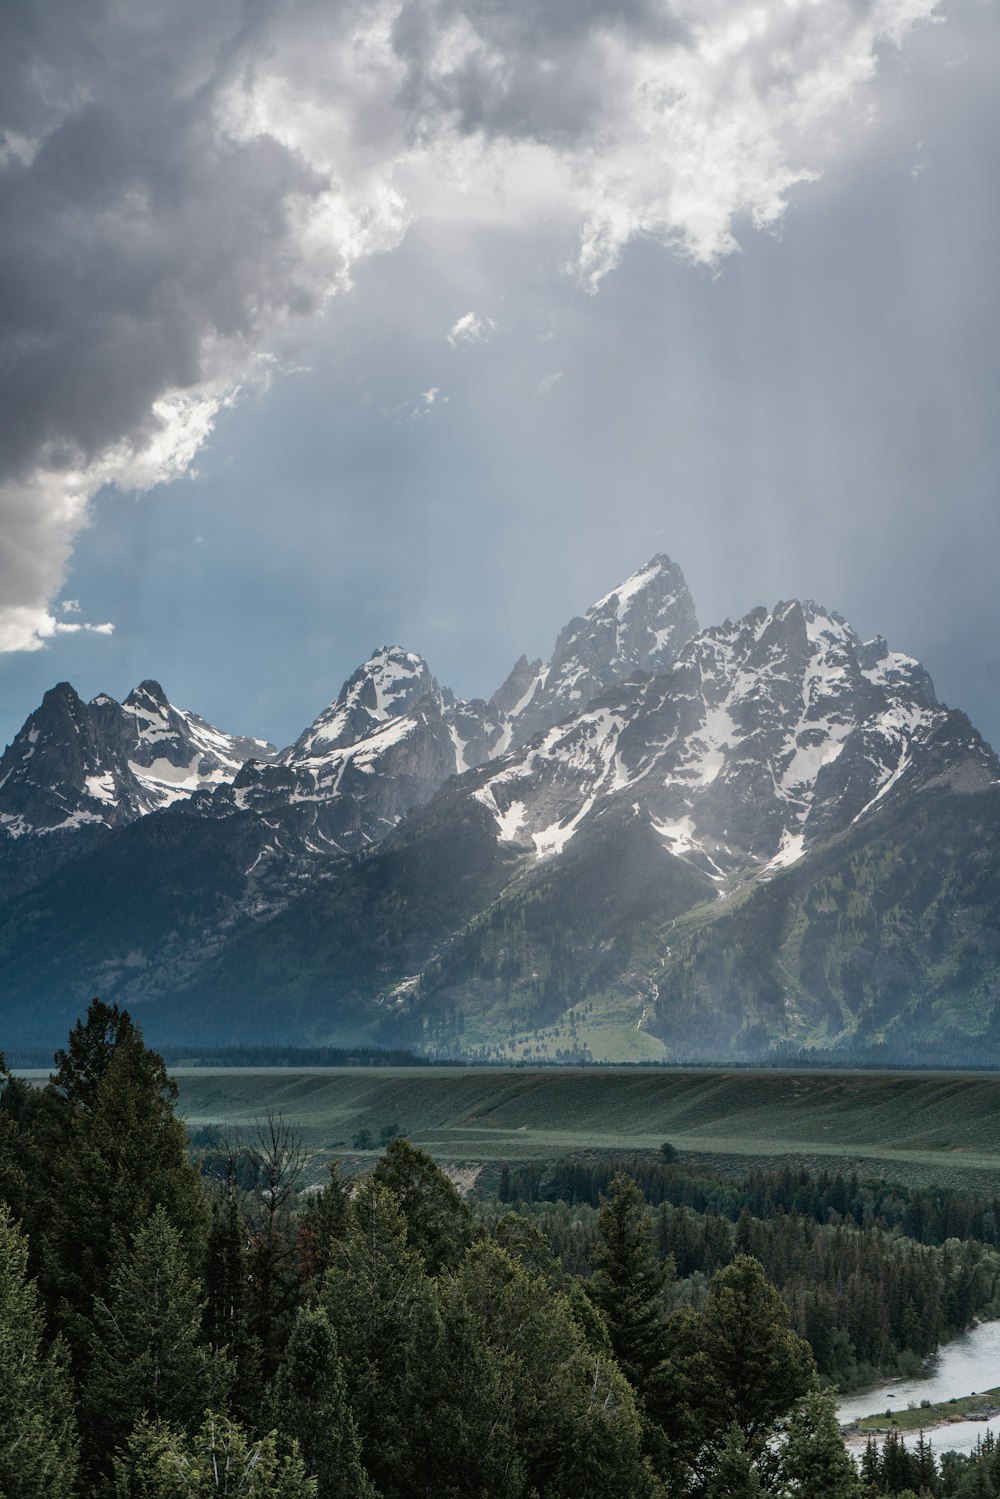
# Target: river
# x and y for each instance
(967, 1364)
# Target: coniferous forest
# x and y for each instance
(173, 1325)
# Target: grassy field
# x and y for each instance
(913, 1127)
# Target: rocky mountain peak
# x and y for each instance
(147, 692)
(102, 764)
(640, 626)
(386, 686)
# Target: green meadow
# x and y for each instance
(916, 1127)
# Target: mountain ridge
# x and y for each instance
(571, 860)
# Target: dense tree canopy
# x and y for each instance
(652, 1331)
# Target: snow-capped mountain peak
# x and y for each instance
(765, 737)
(385, 686)
(76, 764)
(640, 626)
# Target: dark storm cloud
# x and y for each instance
(179, 180)
(128, 238)
(142, 252)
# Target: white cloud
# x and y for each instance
(471, 329)
(180, 183)
(549, 383)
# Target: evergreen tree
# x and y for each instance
(92, 1044)
(18, 1105)
(756, 1366)
(309, 1405)
(926, 1472)
(148, 1355)
(539, 1394)
(38, 1447)
(734, 1475)
(628, 1281)
(438, 1222)
(380, 1304)
(815, 1460)
(321, 1222)
(107, 1149)
(226, 1320)
(219, 1461)
(871, 1467)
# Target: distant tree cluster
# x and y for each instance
(874, 1276)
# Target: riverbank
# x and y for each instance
(955, 1400)
(981, 1406)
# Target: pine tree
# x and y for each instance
(757, 1367)
(734, 1475)
(105, 1152)
(815, 1460)
(628, 1280)
(92, 1044)
(38, 1446)
(148, 1352)
(522, 1403)
(871, 1466)
(309, 1405)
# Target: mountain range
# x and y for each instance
(664, 841)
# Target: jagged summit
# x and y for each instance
(385, 686)
(640, 626)
(77, 765)
(764, 737)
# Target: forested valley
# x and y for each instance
(175, 1323)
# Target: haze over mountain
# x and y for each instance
(662, 840)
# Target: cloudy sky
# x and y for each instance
(323, 326)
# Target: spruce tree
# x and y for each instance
(814, 1459)
(628, 1280)
(734, 1475)
(148, 1355)
(106, 1152)
(755, 1366)
(309, 1405)
(380, 1304)
(38, 1446)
